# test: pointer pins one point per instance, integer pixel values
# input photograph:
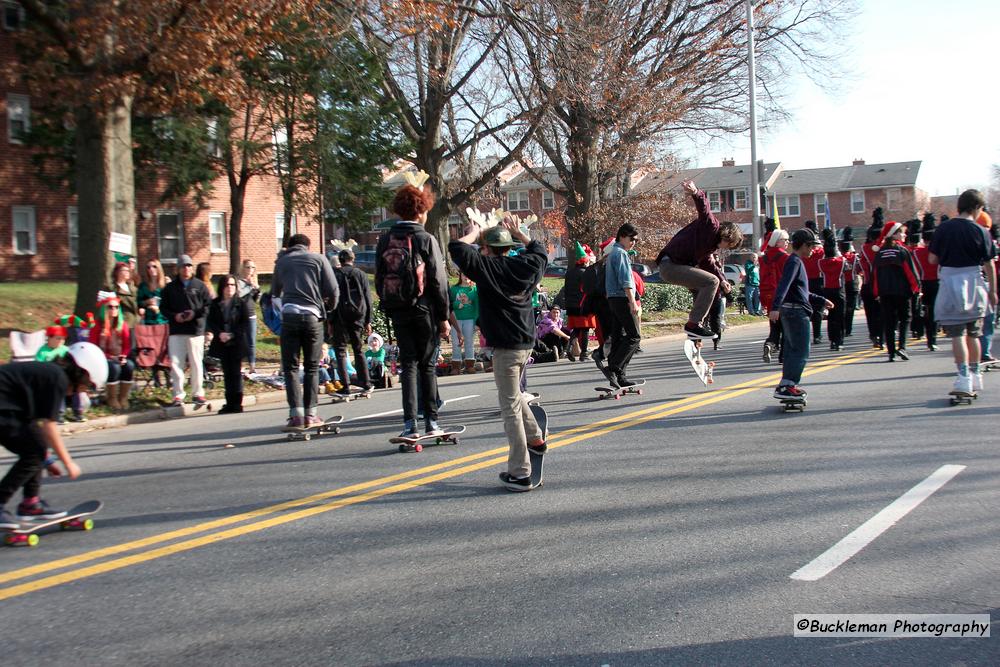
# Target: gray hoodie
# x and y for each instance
(305, 279)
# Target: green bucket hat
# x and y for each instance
(498, 237)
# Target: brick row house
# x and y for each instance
(39, 224)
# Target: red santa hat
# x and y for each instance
(605, 243)
(55, 330)
(892, 227)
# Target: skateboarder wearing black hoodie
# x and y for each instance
(506, 319)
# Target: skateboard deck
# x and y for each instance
(960, 397)
(336, 397)
(537, 459)
(617, 393)
(789, 404)
(307, 432)
(987, 366)
(704, 369)
(75, 519)
(418, 443)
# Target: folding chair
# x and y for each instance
(151, 354)
(25, 345)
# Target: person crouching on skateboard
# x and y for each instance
(793, 306)
(35, 392)
(506, 318)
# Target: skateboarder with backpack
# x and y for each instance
(352, 321)
(412, 284)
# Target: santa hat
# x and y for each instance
(107, 299)
(890, 229)
(55, 330)
(375, 338)
(605, 243)
(776, 236)
(985, 220)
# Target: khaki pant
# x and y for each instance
(704, 284)
(190, 349)
(518, 422)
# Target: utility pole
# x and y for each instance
(754, 178)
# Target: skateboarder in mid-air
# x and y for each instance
(507, 321)
(793, 306)
(36, 392)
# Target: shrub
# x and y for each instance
(660, 297)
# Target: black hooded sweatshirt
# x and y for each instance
(505, 287)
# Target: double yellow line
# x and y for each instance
(294, 510)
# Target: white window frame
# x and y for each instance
(159, 235)
(24, 102)
(893, 198)
(279, 227)
(31, 228)
(548, 200)
(746, 199)
(785, 206)
(857, 197)
(8, 5)
(73, 229)
(714, 201)
(217, 248)
(214, 145)
(515, 199)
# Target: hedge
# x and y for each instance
(659, 297)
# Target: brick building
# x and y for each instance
(38, 224)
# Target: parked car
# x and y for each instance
(734, 273)
(555, 271)
(649, 274)
(365, 260)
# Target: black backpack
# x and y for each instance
(351, 307)
(402, 270)
(594, 288)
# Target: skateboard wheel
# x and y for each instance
(402, 449)
(418, 447)
(32, 540)
(438, 441)
(307, 437)
(336, 430)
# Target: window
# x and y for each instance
(548, 199)
(170, 235)
(714, 201)
(788, 206)
(893, 198)
(857, 201)
(741, 199)
(18, 117)
(518, 201)
(217, 232)
(214, 146)
(24, 230)
(13, 16)
(279, 228)
(73, 224)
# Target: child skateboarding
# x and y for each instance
(35, 392)
(793, 307)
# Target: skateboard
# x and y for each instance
(75, 519)
(336, 397)
(418, 443)
(537, 460)
(307, 432)
(704, 369)
(611, 392)
(987, 366)
(789, 404)
(959, 397)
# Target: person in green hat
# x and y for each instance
(505, 285)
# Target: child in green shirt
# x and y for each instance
(55, 345)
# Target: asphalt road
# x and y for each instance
(667, 532)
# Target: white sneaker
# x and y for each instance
(977, 381)
(963, 383)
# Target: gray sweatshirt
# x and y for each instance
(305, 279)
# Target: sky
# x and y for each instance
(919, 84)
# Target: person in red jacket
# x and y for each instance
(815, 281)
(832, 269)
(873, 310)
(852, 276)
(928, 280)
(895, 283)
(112, 336)
(772, 264)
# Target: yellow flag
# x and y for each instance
(777, 220)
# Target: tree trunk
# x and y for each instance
(237, 195)
(105, 193)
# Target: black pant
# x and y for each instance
(232, 360)
(816, 287)
(835, 318)
(624, 335)
(717, 317)
(556, 342)
(417, 347)
(873, 313)
(26, 473)
(895, 320)
(930, 289)
(850, 305)
(301, 333)
(350, 334)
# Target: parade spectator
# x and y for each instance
(151, 291)
(184, 302)
(121, 285)
(228, 321)
(464, 313)
(248, 289)
(113, 336)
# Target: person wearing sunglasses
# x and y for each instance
(113, 336)
(228, 321)
(184, 303)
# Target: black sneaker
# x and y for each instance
(8, 521)
(698, 332)
(516, 484)
(611, 376)
(789, 391)
(624, 381)
(901, 353)
(38, 510)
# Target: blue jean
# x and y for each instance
(989, 326)
(252, 343)
(752, 295)
(796, 325)
(301, 334)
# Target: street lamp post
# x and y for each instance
(754, 178)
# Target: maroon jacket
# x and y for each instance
(697, 240)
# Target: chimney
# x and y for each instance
(859, 162)
(728, 162)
